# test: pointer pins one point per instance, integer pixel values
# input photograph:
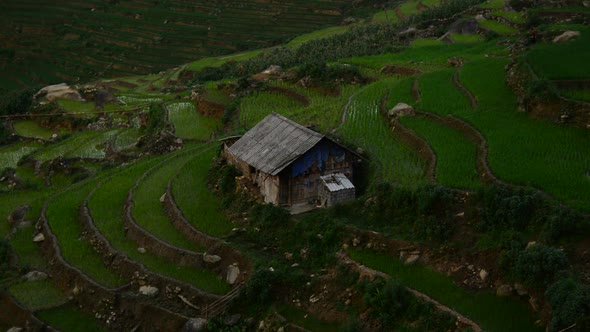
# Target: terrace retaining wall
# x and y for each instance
(119, 262)
(13, 314)
(229, 256)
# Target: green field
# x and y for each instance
(491, 312)
(189, 123)
(31, 129)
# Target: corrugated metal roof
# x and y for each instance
(274, 143)
(336, 182)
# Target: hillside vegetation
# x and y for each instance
(473, 201)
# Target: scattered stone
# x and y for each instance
(273, 70)
(76, 290)
(212, 259)
(470, 267)
(479, 17)
(504, 290)
(35, 276)
(141, 250)
(162, 198)
(412, 259)
(483, 274)
(15, 329)
(148, 290)
(355, 242)
(19, 214)
(232, 320)
(566, 36)
(39, 237)
(281, 329)
(586, 3)
(295, 265)
(460, 215)
(407, 32)
(456, 62)
(24, 224)
(465, 26)
(530, 244)
(313, 298)
(520, 290)
(401, 109)
(195, 325)
(534, 303)
(348, 21)
(233, 272)
(288, 256)
(345, 246)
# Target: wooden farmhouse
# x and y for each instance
(292, 164)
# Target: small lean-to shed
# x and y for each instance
(335, 189)
(286, 160)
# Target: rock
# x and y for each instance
(520, 290)
(232, 320)
(19, 214)
(148, 290)
(15, 329)
(412, 259)
(233, 272)
(456, 62)
(530, 244)
(483, 274)
(281, 329)
(39, 237)
(273, 70)
(288, 256)
(348, 21)
(470, 267)
(61, 91)
(504, 290)
(141, 250)
(195, 325)
(479, 17)
(534, 303)
(465, 26)
(162, 198)
(212, 259)
(408, 31)
(76, 290)
(401, 109)
(403, 255)
(35, 276)
(586, 3)
(313, 298)
(355, 242)
(566, 36)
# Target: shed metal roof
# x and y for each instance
(274, 143)
(336, 182)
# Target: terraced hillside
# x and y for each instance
(473, 192)
(67, 41)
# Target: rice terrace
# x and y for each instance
(290, 165)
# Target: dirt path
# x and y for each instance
(465, 91)
(363, 270)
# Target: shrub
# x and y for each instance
(570, 304)
(434, 200)
(561, 222)
(156, 117)
(537, 266)
(4, 257)
(434, 229)
(263, 215)
(388, 300)
(507, 209)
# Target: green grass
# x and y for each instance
(62, 215)
(493, 4)
(200, 207)
(422, 42)
(497, 27)
(460, 38)
(220, 60)
(216, 95)
(455, 154)
(11, 154)
(189, 123)
(492, 313)
(257, 106)
(37, 295)
(126, 139)
(319, 34)
(365, 127)
(385, 16)
(583, 95)
(10, 201)
(516, 17)
(71, 319)
(29, 128)
(75, 106)
(106, 206)
(564, 60)
(87, 144)
(524, 151)
(307, 321)
(439, 95)
(149, 212)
